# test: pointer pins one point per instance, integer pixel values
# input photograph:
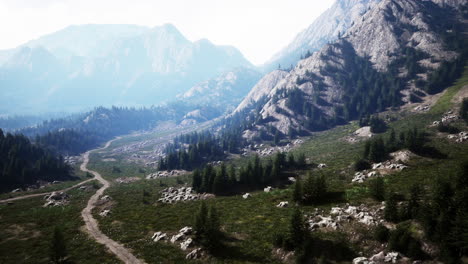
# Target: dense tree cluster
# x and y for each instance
(255, 175)
(23, 163)
(312, 191)
(377, 125)
(195, 155)
(441, 209)
(377, 149)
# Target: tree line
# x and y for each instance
(256, 174)
(23, 163)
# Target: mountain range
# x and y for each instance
(84, 66)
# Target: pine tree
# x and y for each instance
(201, 221)
(297, 228)
(197, 180)
(213, 227)
(391, 209)
(58, 250)
(377, 189)
(301, 161)
(297, 193)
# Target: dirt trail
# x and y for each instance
(92, 225)
(43, 194)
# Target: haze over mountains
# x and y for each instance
(86, 66)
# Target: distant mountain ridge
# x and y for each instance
(84, 66)
(224, 91)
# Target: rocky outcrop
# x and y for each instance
(262, 89)
(173, 195)
(56, 199)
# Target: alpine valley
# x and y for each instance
(131, 144)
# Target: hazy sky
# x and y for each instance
(259, 28)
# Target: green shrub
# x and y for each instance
(381, 234)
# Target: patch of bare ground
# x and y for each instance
(22, 232)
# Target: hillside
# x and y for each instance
(398, 52)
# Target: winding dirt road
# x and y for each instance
(45, 193)
(92, 225)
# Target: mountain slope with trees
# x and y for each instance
(399, 51)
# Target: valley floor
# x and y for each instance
(249, 225)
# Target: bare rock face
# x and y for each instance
(262, 89)
(379, 36)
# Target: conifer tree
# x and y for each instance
(391, 209)
(58, 250)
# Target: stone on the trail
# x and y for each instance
(195, 254)
(106, 198)
(377, 166)
(247, 195)
(283, 205)
(186, 244)
(158, 236)
(322, 165)
(268, 189)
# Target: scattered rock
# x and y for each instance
(361, 260)
(165, 174)
(283, 205)
(363, 132)
(195, 254)
(106, 198)
(392, 257)
(186, 230)
(56, 199)
(186, 244)
(16, 190)
(104, 213)
(174, 195)
(158, 236)
(268, 189)
(291, 179)
(247, 195)
(177, 237)
(322, 165)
